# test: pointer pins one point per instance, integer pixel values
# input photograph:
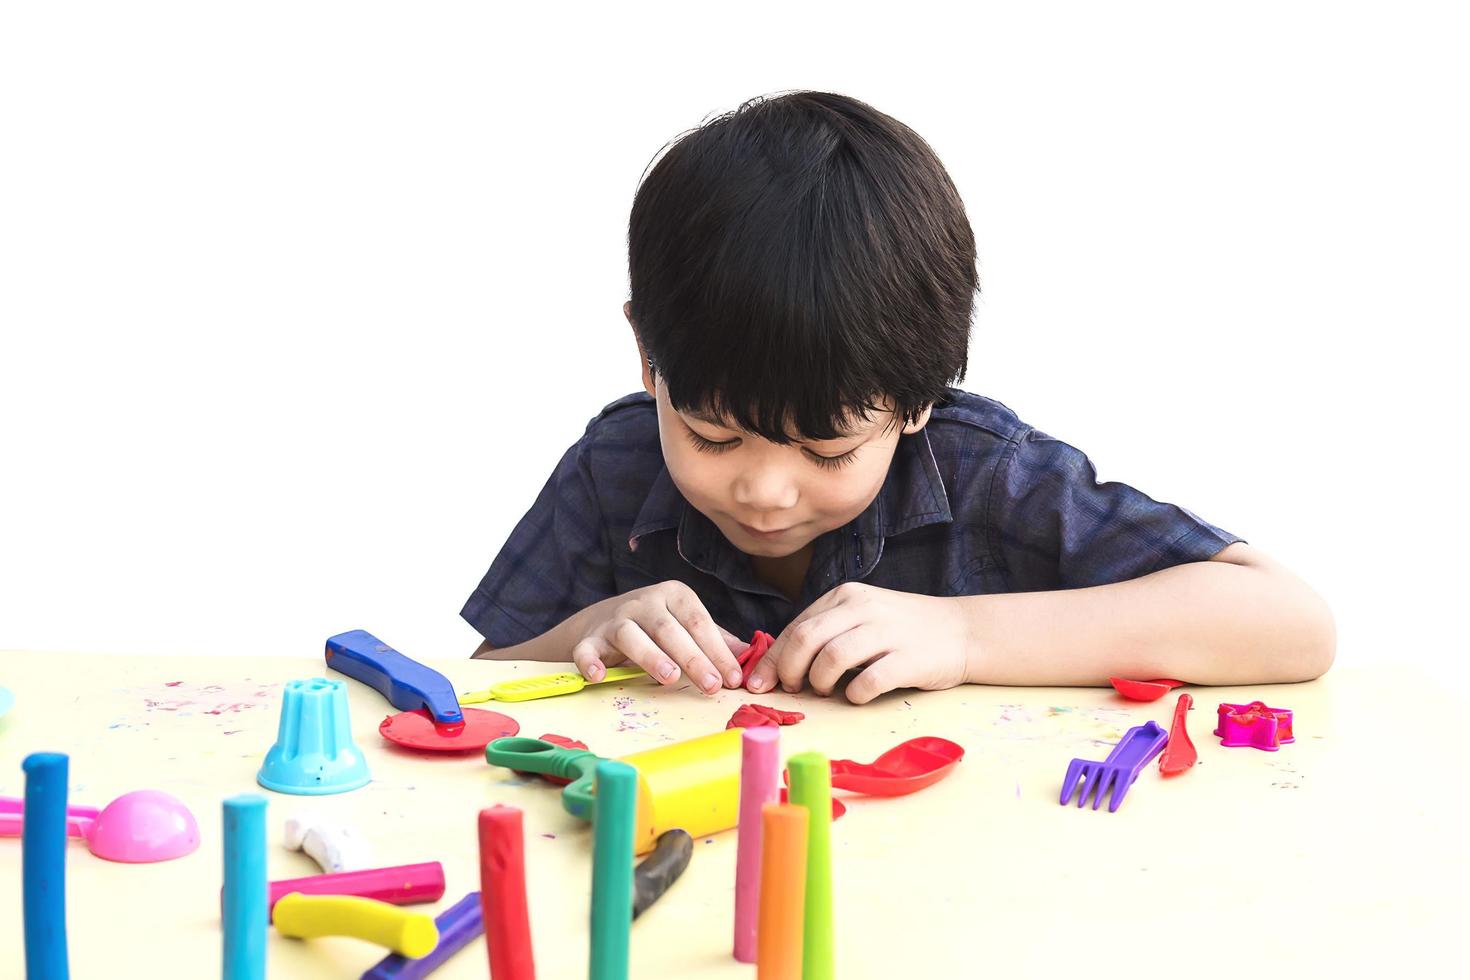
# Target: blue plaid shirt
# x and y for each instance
(977, 502)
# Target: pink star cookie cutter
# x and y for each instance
(1255, 725)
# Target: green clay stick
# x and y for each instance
(612, 869)
(811, 787)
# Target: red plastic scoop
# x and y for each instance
(906, 768)
(1143, 690)
(838, 807)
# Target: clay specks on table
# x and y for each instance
(184, 699)
(631, 720)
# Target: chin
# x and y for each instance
(770, 549)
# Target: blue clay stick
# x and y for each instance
(43, 866)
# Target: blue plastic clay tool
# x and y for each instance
(430, 717)
(1116, 773)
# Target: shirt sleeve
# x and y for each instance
(1054, 526)
(555, 562)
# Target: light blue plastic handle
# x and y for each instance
(407, 684)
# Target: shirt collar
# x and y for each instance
(912, 496)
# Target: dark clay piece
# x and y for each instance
(660, 869)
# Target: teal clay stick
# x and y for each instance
(612, 869)
(246, 906)
(811, 787)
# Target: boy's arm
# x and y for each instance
(556, 643)
(1240, 618)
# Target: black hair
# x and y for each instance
(797, 259)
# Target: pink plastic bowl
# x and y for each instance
(141, 827)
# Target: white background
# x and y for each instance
(300, 302)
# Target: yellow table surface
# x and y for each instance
(1341, 851)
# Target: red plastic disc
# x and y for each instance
(416, 730)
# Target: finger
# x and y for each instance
(591, 655)
(843, 652)
(883, 675)
(763, 678)
(663, 627)
(707, 636)
(804, 640)
(628, 638)
(736, 644)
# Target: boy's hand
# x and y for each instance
(662, 628)
(904, 640)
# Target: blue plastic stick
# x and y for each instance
(245, 898)
(407, 684)
(612, 869)
(459, 925)
(43, 866)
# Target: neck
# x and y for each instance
(785, 574)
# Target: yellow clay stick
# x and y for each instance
(412, 934)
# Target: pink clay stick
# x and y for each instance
(760, 765)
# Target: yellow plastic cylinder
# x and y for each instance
(308, 916)
(692, 786)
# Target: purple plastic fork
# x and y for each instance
(1118, 771)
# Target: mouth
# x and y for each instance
(756, 532)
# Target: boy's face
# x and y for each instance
(767, 499)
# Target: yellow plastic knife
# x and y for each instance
(546, 686)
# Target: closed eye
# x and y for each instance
(832, 462)
(709, 445)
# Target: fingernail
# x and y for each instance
(757, 684)
(733, 677)
(667, 671)
(711, 683)
(594, 671)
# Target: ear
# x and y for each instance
(642, 354)
(919, 422)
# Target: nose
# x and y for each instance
(765, 487)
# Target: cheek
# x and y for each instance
(845, 493)
(699, 476)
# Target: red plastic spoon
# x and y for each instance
(906, 768)
(1143, 690)
(1179, 754)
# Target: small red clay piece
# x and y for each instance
(752, 655)
(756, 715)
(1179, 754)
(1143, 690)
(564, 742)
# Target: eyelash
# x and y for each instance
(826, 462)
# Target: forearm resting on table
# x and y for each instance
(556, 643)
(1214, 622)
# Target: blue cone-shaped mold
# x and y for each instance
(314, 754)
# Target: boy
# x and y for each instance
(803, 277)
